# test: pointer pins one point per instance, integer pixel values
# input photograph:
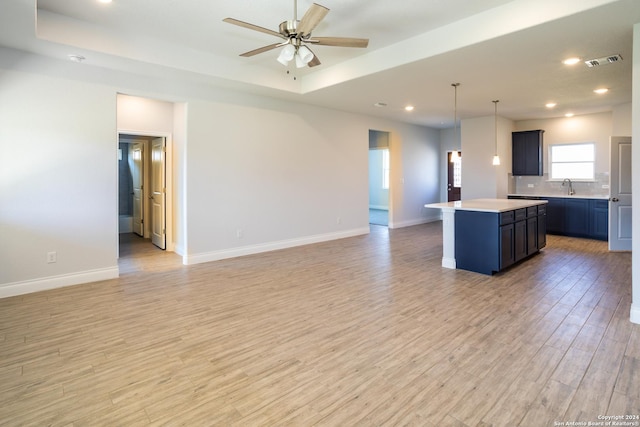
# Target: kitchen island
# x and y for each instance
(489, 235)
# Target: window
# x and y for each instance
(385, 169)
(573, 161)
(457, 171)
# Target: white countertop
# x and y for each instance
(564, 196)
(487, 205)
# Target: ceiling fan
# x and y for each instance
(297, 37)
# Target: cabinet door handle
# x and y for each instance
(614, 199)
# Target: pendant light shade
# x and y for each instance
(303, 56)
(454, 154)
(286, 54)
(496, 158)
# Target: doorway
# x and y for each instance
(379, 177)
(454, 176)
(142, 187)
(620, 218)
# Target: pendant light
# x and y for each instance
(496, 158)
(454, 154)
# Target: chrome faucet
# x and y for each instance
(570, 191)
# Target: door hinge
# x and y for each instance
(164, 190)
(164, 231)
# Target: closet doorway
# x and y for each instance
(142, 187)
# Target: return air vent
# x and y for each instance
(603, 61)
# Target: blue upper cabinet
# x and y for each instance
(527, 152)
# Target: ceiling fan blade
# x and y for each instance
(260, 50)
(314, 62)
(252, 27)
(311, 19)
(339, 41)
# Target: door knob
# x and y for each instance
(614, 199)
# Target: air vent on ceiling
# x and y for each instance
(603, 61)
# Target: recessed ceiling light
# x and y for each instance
(550, 104)
(104, 1)
(409, 108)
(569, 115)
(76, 58)
(601, 90)
(571, 61)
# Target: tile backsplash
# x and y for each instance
(540, 185)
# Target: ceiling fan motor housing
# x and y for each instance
(289, 28)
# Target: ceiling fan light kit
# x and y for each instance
(286, 54)
(297, 34)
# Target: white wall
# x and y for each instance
(144, 115)
(621, 120)
(378, 196)
(635, 261)
(587, 128)
(415, 172)
(58, 173)
(480, 178)
(234, 170)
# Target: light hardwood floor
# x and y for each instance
(366, 331)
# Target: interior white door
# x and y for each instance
(136, 165)
(158, 193)
(620, 198)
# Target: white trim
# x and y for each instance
(53, 282)
(449, 263)
(413, 222)
(271, 246)
(379, 207)
(635, 313)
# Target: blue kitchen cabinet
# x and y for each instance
(576, 217)
(599, 221)
(526, 152)
(576, 220)
(488, 242)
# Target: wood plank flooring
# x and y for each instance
(364, 331)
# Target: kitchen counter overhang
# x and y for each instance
(486, 205)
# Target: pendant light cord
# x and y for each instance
(495, 114)
(496, 158)
(455, 110)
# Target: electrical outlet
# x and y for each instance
(530, 185)
(338, 220)
(239, 233)
(52, 257)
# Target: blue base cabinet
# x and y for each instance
(488, 242)
(576, 217)
(599, 219)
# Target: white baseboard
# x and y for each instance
(271, 246)
(635, 313)
(53, 282)
(412, 222)
(379, 207)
